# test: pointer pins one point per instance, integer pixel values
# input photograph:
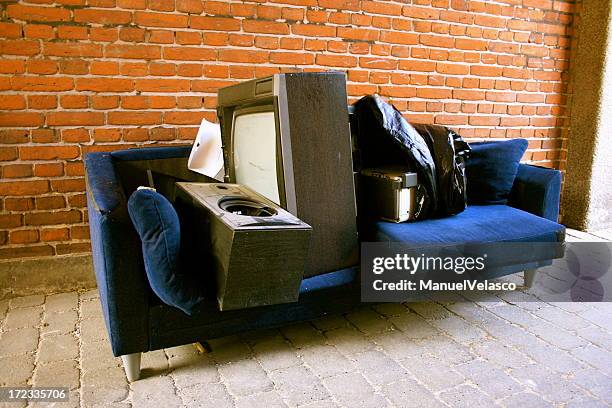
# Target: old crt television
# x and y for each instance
(287, 137)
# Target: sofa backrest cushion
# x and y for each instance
(158, 226)
(491, 169)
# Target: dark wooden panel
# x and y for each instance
(322, 167)
(265, 268)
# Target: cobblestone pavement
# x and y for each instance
(495, 351)
(502, 350)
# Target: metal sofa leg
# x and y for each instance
(202, 347)
(529, 277)
(131, 364)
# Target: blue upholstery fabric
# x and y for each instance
(151, 153)
(157, 224)
(491, 169)
(330, 280)
(537, 190)
(478, 223)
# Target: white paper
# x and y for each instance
(206, 154)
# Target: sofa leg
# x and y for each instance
(202, 347)
(131, 364)
(529, 277)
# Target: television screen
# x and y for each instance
(255, 153)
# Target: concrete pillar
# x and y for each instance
(587, 194)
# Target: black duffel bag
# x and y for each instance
(437, 154)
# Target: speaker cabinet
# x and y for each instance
(316, 171)
(258, 250)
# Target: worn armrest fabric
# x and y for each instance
(103, 185)
(537, 190)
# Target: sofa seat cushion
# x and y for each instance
(478, 223)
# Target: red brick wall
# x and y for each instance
(78, 76)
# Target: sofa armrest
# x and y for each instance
(103, 185)
(537, 190)
(117, 259)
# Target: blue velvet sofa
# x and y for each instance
(137, 321)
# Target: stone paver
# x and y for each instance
(490, 379)
(525, 399)
(414, 326)
(245, 377)
(349, 341)
(190, 368)
(26, 301)
(62, 302)
(60, 322)
(57, 348)
(158, 391)
(57, 374)
(500, 354)
(499, 350)
(15, 370)
(352, 390)
(268, 399)
(396, 345)
(468, 396)
(595, 382)
(330, 322)
(303, 335)
(596, 357)
(326, 361)
(378, 368)
(103, 386)
(23, 317)
(298, 385)
(206, 395)
(436, 374)
(19, 341)
(448, 350)
(460, 330)
(368, 321)
(550, 385)
(230, 350)
(409, 393)
(322, 404)
(275, 353)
